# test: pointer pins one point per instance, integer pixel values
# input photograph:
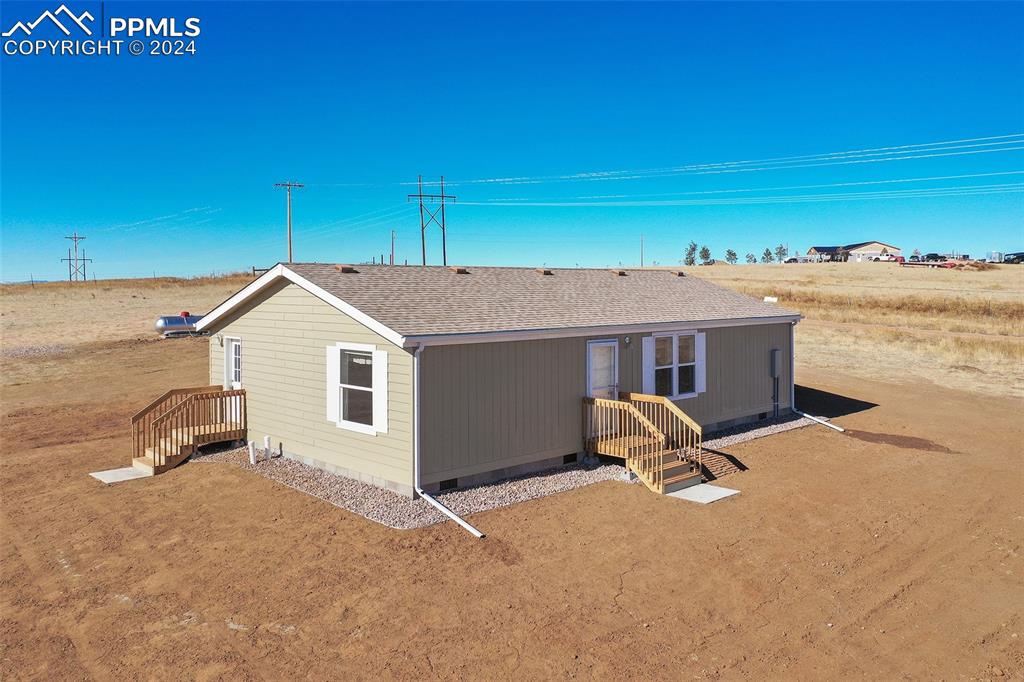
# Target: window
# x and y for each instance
(357, 387)
(674, 365)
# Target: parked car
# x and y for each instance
(915, 259)
(1014, 258)
(885, 258)
(934, 258)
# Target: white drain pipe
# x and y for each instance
(820, 421)
(792, 384)
(416, 451)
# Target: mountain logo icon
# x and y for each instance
(69, 16)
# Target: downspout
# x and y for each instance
(792, 384)
(416, 450)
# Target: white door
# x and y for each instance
(233, 363)
(233, 377)
(603, 369)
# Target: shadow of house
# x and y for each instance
(829, 405)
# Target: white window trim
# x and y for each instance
(379, 390)
(699, 363)
(676, 364)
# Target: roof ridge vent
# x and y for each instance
(346, 269)
(544, 271)
(459, 271)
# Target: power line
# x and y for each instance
(429, 215)
(892, 151)
(719, 171)
(963, 190)
(288, 188)
(765, 189)
(331, 228)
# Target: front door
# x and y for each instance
(233, 378)
(233, 364)
(603, 369)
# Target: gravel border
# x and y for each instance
(723, 438)
(397, 511)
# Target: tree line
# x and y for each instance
(693, 252)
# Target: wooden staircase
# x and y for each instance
(171, 428)
(657, 440)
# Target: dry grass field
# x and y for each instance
(961, 327)
(66, 314)
(893, 551)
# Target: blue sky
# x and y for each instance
(166, 163)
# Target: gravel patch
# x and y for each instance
(398, 511)
(34, 351)
(740, 434)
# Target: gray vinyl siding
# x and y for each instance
(484, 406)
(490, 406)
(285, 332)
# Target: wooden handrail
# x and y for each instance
(671, 406)
(194, 398)
(635, 413)
(166, 396)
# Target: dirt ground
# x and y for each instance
(892, 551)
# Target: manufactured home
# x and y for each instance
(427, 378)
(859, 252)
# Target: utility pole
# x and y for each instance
(76, 264)
(75, 238)
(288, 188)
(428, 216)
(392, 262)
(641, 250)
(84, 261)
(68, 259)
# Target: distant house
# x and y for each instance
(861, 251)
(425, 378)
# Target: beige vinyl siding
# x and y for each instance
(285, 332)
(489, 406)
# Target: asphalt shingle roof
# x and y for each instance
(417, 301)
